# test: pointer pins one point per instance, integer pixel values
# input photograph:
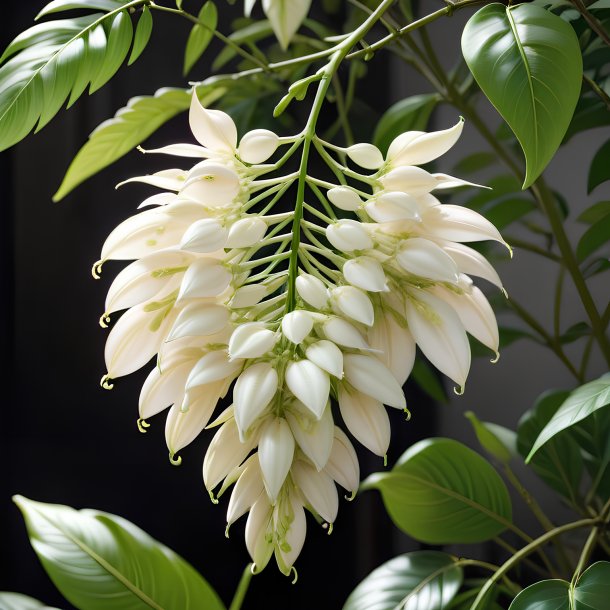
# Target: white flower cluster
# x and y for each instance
(289, 337)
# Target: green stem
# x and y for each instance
(597, 90)
(242, 588)
(558, 302)
(524, 552)
(512, 550)
(594, 24)
(342, 49)
(529, 247)
(591, 542)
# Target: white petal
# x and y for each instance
(296, 325)
(365, 155)
(327, 356)
(343, 333)
(206, 277)
(353, 303)
(275, 453)
(366, 419)
(365, 273)
(181, 150)
(391, 206)
(476, 315)
(214, 366)
(160, 390)
(226, 451)
(182, 427)
(444, 181)
(424, 147)
(424, 258)
(212, 128)
(314, 437)
(395, 344)
(158, 200)
(371, 376)
(251, 340)
(318, 488)
(253, 391)
(203, 236)
(312, 290)
(135, 339)
(248, 488)
(167, 179)
(259, 533)
(457, 223)
(257, 146)
(472, 262)
(310, 384)
(145, 278)
(409, 179)
(247, 296)
(342, 464)
(348, 235)
(199, 319)
(440, 335)
(211, 184)
(287, 553)
(246, 232)
(344, 198)
(285, 17)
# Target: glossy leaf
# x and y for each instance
(17, 601)
(429, 381)
(130, 126)
(440, 491)
(592, 590)
(543, 595)
(102, 562)
(599, 171)
(421, 580)
(55, 61)
(527, 62)
(142, 35)
(499, 442)
(201, 35)
(595, 212)
(581, 403)
(593, 238)
(410, 114)
(58, 6)
(559, 462)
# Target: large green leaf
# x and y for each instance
(592, 591)
(543, 595)
(440, 491)
(102, 562)
(410, 114)
(499, 442)
(129, 127)
(527, 61)
(55, 61)
(17, 601)
(201, 35)
(581, 403)
(559, 462)
(421, 580)
(599, 171)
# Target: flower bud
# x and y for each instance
(343, 333)
(327, 356)
(257, 146)
(365, 155)
(391, 206)
(348, 235)
(246, 232)
(342, 464)
(318, 489)
(275, 453)
(251, 340)
(366, 273)
(253, 391)
(247, 296)
(259, 533)
(309, 384)
(314, 437)
(206, 277)
(213, 129)
(353, 303)
(214, 366)
(206, 235)
(312, 290)
(424, 258)
(344, 198)
(199, 319)
(296, 325)
(211, 184)
(248, 488)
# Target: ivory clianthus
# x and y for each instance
(196, 298)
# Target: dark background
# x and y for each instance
(65, 440)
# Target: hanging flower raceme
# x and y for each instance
(230, 300)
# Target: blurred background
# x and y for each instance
(67, 441)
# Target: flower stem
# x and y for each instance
(242, 588)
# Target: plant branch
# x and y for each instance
(242, 588)
(597, 90)
(594, 24)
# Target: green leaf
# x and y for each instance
(58, 6)
(421, 580)
(594, 213)
(55, 61)
(559, 463)
(594, 237)
(543, 595)
(17, 601)
(575, 332)
(200, 36)
(599, 172)
(505, 211)
(581, 403)
(410, 114)
(590, 113)
(498, 441)
(600, 4)
(130, 126)
(143, 32)
(599, 265)
(102, 562)
(592, 590)
(527, 61)
(427, 379)
(442, 492)
(475, 162)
